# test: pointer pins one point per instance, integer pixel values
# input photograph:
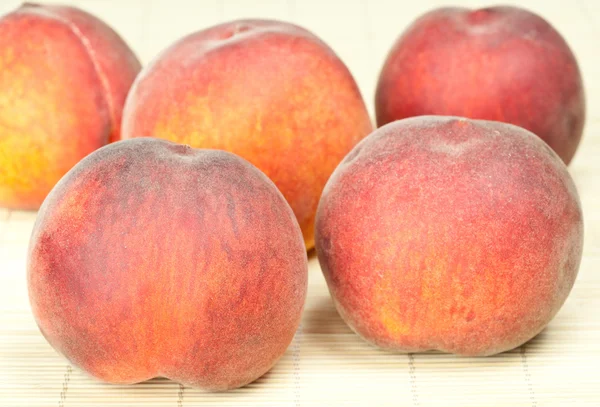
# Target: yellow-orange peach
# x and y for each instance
(155, 259)
(268, 91)
(443, 233)
(64, 76)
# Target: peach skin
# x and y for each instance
(445, 233)
(64, 76)
(151, 258)
(498, 63)
(268, 91)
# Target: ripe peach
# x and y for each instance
(444, 233)
(268, 91)
(499, 63)
(154, 259)
(64, 76)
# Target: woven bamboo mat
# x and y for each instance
(328, 365)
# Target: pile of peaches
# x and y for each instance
(177, 202)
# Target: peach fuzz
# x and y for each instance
(498, 63)
(268, 91)
(445, 233)
(64, 76)
(155, 259)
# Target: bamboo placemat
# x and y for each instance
(328, 365)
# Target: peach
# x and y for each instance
(64, 76)
(155, 259)
(446, 233)
(268, 91)
(499, 63)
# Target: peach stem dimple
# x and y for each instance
(480, 15)
(238, 29)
